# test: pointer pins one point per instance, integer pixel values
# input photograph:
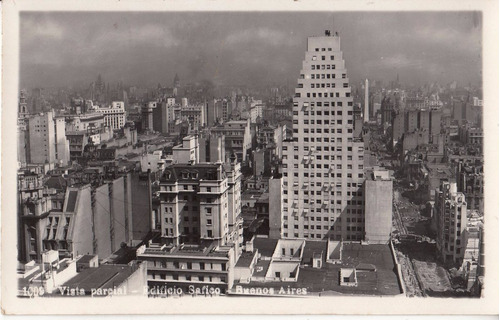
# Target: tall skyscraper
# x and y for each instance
(366, 112)
(323, 176)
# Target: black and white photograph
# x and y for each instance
(195, 155)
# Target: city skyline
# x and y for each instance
(175, 154)
(244, 48)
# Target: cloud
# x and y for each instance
(263, 35)
(468, 41)
(151, 34)
(41, 28)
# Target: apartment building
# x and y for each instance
(237, 137)
(47, 141)
(451, 221)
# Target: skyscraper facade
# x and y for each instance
(323, 176)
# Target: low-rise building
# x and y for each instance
(378, 207)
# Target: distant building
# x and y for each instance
(188, 152)
(212, 148)
(114, 116)
(218, 111)
(471, 135)
(237, 137)
(272, 137)
(47, 141)
(163, 115)
(256, 112)
(470, 181)
(147, 122)
(85, 121)
(194, 115)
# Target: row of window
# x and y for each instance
(314, 58)
(325, 219)
(339, 202)
(339, 185)
(322, 157)
(318, 166)
(318, 227)
(327, 175)
(354, 237)
(187, 278)
(319, 193)
(324, 95)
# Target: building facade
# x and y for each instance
(47, 141)
(114, 116)
(323, 164)
(237, 137)
(451, 220)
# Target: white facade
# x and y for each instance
(114, 116)
(323, 165)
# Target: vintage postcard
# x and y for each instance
(250, 158)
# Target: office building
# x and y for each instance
(201, 227)
(114, 115)
(323, 163)
(237, 137)
(147, 122)
(47, 141)
(163, 115)
(451, 220)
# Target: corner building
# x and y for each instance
(323, 164)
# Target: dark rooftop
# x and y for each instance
(85, 259)
(265, 246)
(325, 281)
(56, 182)
(107, 276)
(245, 259)
(312, 248)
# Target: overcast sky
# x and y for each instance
(244, 48)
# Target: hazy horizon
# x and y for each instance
(244, 48)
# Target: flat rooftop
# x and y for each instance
(265, 246)
(325, 281)
(210, 250)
